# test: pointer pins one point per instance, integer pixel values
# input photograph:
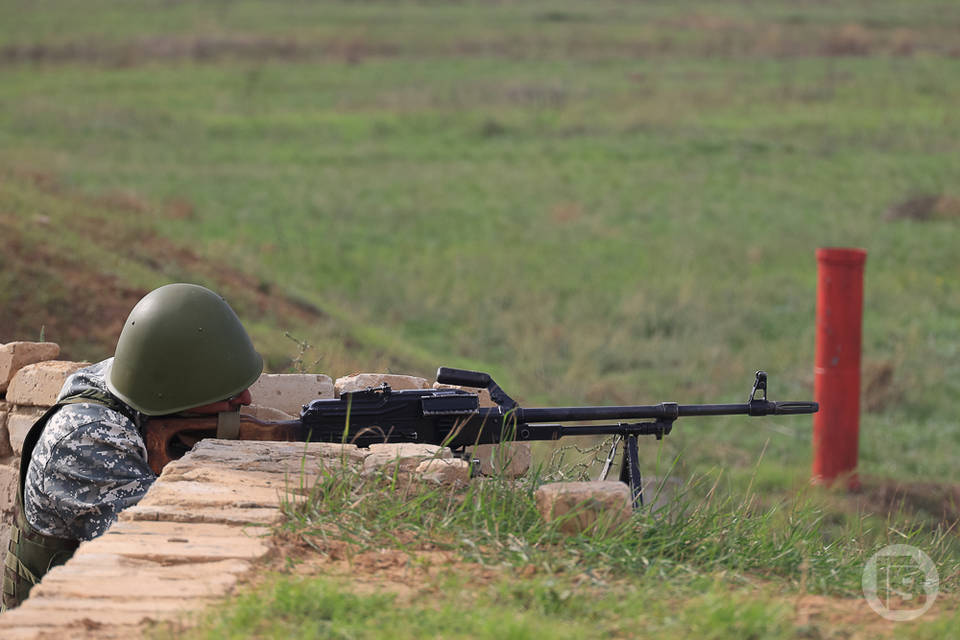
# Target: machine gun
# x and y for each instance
(453, 418)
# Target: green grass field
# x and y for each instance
(602, 202)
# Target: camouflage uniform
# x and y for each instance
(89, 464)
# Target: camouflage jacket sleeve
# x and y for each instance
(89, 464)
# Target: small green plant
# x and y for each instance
(297, 363)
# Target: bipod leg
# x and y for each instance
(630, 470)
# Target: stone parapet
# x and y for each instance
(165, 567)
(199, 529)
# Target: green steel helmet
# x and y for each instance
(181, 347)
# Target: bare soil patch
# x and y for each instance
(939, 502)
(925, 208)
(193, 48)
(69, 302)
(692, 34)
(83, 307)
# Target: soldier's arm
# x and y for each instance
(82, 480)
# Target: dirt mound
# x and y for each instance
(938, 502)
(82, 304)
(925, 207)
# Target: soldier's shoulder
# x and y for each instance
(72, 417)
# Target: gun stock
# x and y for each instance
(161, 432)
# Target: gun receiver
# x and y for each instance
(453, 418)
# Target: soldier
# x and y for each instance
(181, 350)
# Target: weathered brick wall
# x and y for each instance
(200, 528)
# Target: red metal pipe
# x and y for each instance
(836, 380)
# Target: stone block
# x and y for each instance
(238, 516)
(16, 355)
(361, 381)
(65, 617)
(584, 506)
(452, 471)
(39, 384)
(19, 423)
(288, 392)
(402, 457)
(188, 495)
(110, 575)
(273, 457)
(176, 543)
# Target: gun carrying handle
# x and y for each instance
(463, 378)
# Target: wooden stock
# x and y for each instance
(160, 431)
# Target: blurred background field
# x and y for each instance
(603, 202)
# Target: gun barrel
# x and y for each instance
(663, 410)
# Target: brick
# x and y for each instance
(76, 613)
(267, 515)
(288, 392)
(19, 423)
(396, 450)
(402, 457)
(211, 486)
(454, 471)
(189, 495)
(111, 575)
(582, 506)
(235, 479)
(361, 381)
(39, 384)
(16, 355)
(275, 457)
(176, 543)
